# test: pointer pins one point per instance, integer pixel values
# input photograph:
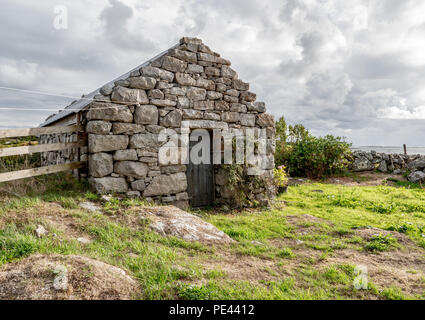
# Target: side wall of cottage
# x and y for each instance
(67, 155)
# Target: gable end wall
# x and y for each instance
(190, 85)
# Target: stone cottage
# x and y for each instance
(188, 86)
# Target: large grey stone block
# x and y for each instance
(230, 116)
(138, 185)
(247, 119)
(146, 114)
(126, 155)
(196, 94)
(205, 83)
(265, 120)
(248, 96)
(212, 71)
(121, 94)
(133, 169)
(166, 103)
(221, 106)
(109, 112)
(257, 106)
(228, 72)
(172, 119)
(155, 94)
(184, 55)
(127, 128)
(146, 141)
(213, 95)
(166, 184)
(183, 102)
(418, 164)
(212, 116)
(174, 65)
(185, 79)
(240, 85)
(192, 114)
(203, 105)
(204, 124)
(109, 184)
(145, 83)
(100, 165)
(417, 176)
(98, 127)
(157, 73)
(105, 143)
(238, 107)
(194, 68)
(178, 91)
(207, 57)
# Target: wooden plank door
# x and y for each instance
(200, 178)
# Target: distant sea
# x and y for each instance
(382, 149)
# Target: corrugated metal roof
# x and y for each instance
(78, 105)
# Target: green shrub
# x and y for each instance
(318, 157)
(309, 156)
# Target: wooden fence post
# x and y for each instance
(405, 149)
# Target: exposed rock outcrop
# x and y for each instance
(171, 221)
(55, 277)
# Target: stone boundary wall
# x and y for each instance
(390, 163)
(189, 86)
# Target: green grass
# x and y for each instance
(406, 184)
(353, 207)
(381, 243)
(354, 176)
(18, 142)
(284, 260)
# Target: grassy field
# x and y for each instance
(14, 163)
(306, 247)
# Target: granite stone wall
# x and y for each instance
(189, 86)
(414, 165)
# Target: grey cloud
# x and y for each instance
(307, 60)
(30, 36)
(369, 66)
(115, 18)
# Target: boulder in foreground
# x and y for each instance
(34, 278)
(172, 221)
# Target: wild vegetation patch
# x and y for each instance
(305, 247)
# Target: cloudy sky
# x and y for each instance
(351, 68)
